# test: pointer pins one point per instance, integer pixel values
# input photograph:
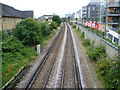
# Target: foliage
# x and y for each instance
(56, 19)
(53, 25)
(110, 71)
(44, 29)
(74, 26)
(71, 23)
(118, 31)
(82, 35)
(107, 69)
(102, 35)
(14, 56)
(28, 32)
(16, 47)
(86, 42)
(96, 52)
(76, 19)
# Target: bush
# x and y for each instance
(110, 71)
(70, 23)
(82, 35)
(32, 33)
(28, 31)
(56, 19)
(74, 26)
(11, 44)
(86, 42)
(96, 52)
(44, 29)
(53, 25)
(14, 56)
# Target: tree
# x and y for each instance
(53, 25)
(76, 19)
(28, 31)
(44, 28)
(56, 19)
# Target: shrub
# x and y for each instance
(28, 31)
(31, 33)
(14, 56)
(86, 42)
(96, 52)
(53, 25)
(110, 71)
(44, 29)
(56, 19)
(70, 23)
(74, 26)
(82, 35)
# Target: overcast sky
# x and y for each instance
(42, 7)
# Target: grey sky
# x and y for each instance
(41, 7)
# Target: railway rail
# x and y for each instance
(69, 74)
(69, 79)
(45, 68)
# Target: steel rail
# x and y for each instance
(28, 86)
(78, 78)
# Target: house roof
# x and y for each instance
(48, 15)
(8, 11)
(27, 14)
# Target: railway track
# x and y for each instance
(40, 77)
(68, 75)
(69, 79)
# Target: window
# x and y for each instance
(110, 36)
(12, 19)
(4, 19)
(116, 40)
(93, 8)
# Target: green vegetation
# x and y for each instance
(70, 23)
(118, 31)
(95, 53)
(30, 32)
(18, 46)
(14, 56)
(86, 42)
(102, 35)
(73, 26)
(97, 32)
(108, 70)
(53, 25)
(56, 19)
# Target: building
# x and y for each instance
(68, 15)
(97, 2)
(111, 17)
(49, 17)
(84, 13)
(10, 16)
(79, 15)
(105, 16)
(93, 12)
(45, 17)
(73, 16)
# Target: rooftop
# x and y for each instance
(8, 11)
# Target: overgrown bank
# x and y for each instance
(14, 56)
(108, 70)
(17, 47)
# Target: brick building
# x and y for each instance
(10, 16)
